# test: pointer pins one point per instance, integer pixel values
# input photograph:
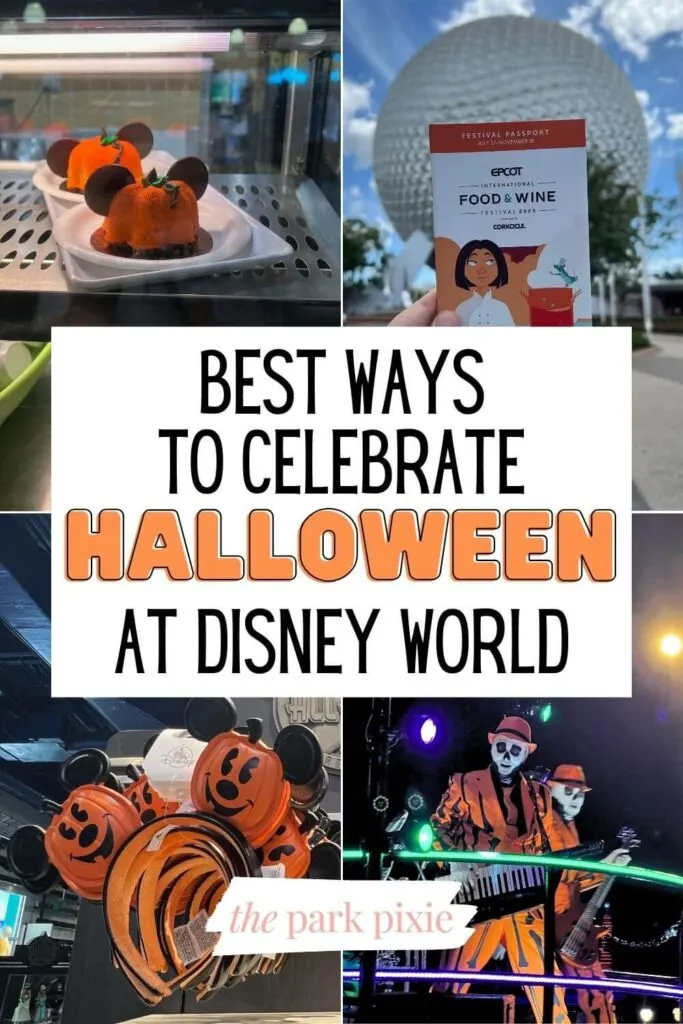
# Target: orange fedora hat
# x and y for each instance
(570, 775)
(513, 728)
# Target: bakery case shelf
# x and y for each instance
(304, 288)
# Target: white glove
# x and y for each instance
(617, 857)
(499, 953)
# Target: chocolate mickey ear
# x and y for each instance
(206, 717)
(298, 748)
(139, 135)
(57, 156)
(325, 861)
(193, 172)
(28, 859)
(103, 184)
(85, 767)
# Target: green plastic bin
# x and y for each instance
(13, 395)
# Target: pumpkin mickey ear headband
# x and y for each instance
(104, 183)
(136, 133)
(296, 746)
(85, 831)
(241, 779)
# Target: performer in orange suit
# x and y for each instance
(499, 809)
(568, 788)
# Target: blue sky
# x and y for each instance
(645, 37)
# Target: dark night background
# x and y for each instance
(631, 750)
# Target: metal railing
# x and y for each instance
(553, 867)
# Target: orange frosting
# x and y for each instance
(143, 217)
(90, 155)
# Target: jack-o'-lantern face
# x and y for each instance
(90, 826)
(145, 799)
(289, 847)
(238, 777)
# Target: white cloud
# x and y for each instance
(675, 126)
(665, 80)
(580, 19)
(660, 264)
(472, 10)
(359, 121)
(635, 24)
(653, 119)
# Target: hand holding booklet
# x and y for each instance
(511, 223)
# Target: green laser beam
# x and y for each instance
(636, 873)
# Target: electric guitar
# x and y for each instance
(578, 934)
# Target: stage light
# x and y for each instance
(415, 974)
(425, 836)
(428, 731)
(545, 713)
(646, 1014)
(415, 801)
(671, 645)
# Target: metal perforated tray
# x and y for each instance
(297, 211)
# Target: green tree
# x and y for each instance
(616, 230)
(364, 255)
(672, 275)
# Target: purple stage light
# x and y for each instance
(611, 984)
(428, 731)
(424, 731)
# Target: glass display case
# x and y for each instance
(252, 91)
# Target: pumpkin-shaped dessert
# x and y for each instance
(238, 777)
(75, 161)
(153, 218)
(145, 799)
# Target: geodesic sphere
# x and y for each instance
(500, 69)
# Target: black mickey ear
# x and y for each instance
(134, 772)
(193, 172)
(209, 716)
(57, 156)
(139, 135)
(26, 854)
(50, 880)
(325, 861)
(149, 744)
(298, 748)
(103, 184)
(309, 821)
(84, 768)
(333, 830)
(112, 781)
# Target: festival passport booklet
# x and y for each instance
(511, 223)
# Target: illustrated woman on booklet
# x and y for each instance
(481, 269)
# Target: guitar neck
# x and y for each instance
(596, 901)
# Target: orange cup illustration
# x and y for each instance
(551, 307)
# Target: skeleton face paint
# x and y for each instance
(569, 798)
(508, 755)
